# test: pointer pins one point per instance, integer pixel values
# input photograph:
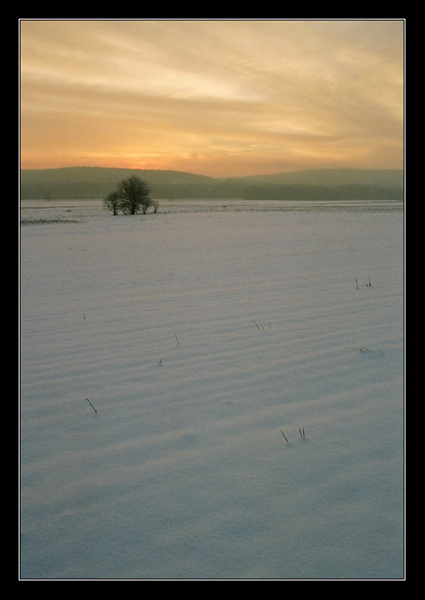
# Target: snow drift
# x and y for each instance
(198, 337)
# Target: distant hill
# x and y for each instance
(332, 177)
(97, 182)
(317, 184)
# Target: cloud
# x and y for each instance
(212, 95)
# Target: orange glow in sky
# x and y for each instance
(219, 98)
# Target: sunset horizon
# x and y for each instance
(262, 174)
(215, 98)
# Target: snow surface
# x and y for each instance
(198, 336)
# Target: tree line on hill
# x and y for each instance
(87, 190)
(96, 183)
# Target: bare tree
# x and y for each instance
(131, 196)
(112, 202)
(134, 194)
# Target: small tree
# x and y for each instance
(112, 203)
(132, 194)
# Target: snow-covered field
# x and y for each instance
(198, 335)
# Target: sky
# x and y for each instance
(218, 98)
